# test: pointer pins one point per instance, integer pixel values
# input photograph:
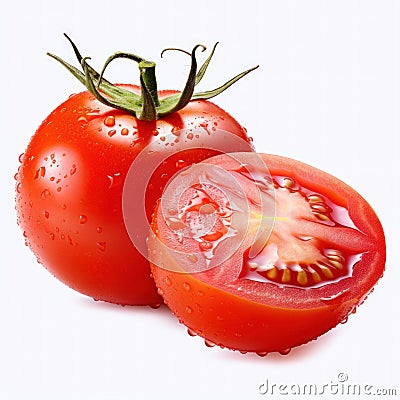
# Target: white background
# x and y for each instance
(327, 93)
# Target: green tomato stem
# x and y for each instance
(148, 72)
(146, 106)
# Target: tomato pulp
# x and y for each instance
(266, 258)
(70, 182)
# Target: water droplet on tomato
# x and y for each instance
(336, 298)
(305, 238)
(21, 157)
(181, 164)
(155, 132)
(191, 332)
(115, 180)
(209, 343)
(190, 135)
(45, 193)
(52, 236)
(18, 188)
(204, 246)
(167, 281)
(83, 120)
(46, 214)
(253, 266)
(187, 286)
(137, 139)
(175, 131)
(82, 219)
(188, 309)
(160, 291)
(99, 229)
(155, 306)
(73, 169)
(285, 352)
(40, 172)
(162, 138)
(261, 353)
(112, 132)
(124, 131)
(101, 246)
(109, 121)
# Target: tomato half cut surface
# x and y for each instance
(261, 253)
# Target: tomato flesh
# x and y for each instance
(296, 254)
(279, 286)
(70, 184)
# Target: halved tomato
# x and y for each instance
(263, 253)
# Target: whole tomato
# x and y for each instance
(71, 178)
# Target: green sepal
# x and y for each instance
(146, 106)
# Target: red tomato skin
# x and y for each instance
(69, 191)
(237, 323)
(254, 317)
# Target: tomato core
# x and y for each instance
(293, 255)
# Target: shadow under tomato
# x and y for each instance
(162, 310)
(307, 350)
(296, 354)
